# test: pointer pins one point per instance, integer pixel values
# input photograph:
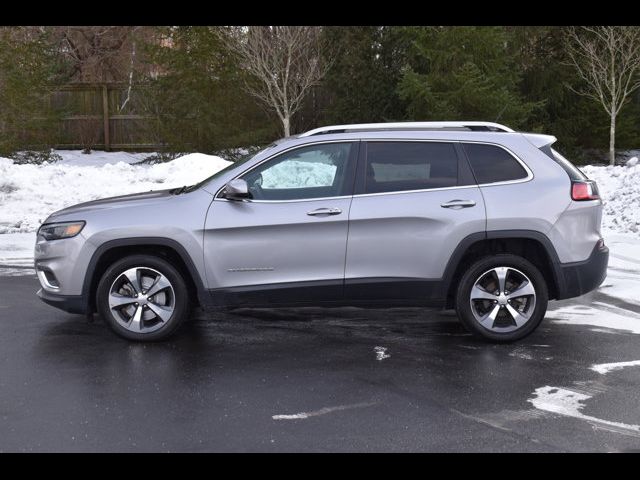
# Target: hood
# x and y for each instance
(133, 200)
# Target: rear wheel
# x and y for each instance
(502, 298)
(143, 297)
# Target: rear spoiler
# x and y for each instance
(539, 140)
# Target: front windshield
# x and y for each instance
(232, 165)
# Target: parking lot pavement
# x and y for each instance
(317, 380)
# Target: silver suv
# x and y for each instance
(466, 215)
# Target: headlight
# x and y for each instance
(56, 231)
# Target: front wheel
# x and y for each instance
(143, 298)
(502, 298)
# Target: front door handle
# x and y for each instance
(458, 204)
(325, 211)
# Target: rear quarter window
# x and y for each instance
(491, 164)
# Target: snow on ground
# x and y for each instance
(604, 368)
(17, 248)
(562, 401)
(29, 193)
(597, 315)
(620, 188)
(623, 275)
(98, 158)
(381, 353)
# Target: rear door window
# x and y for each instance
(405, 166)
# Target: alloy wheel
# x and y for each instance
(503, 299)
(141, 299)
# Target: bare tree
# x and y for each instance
(131, 69)
(283, 61)
(100, 53)
(607, 59)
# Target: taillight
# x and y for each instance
(584, 190)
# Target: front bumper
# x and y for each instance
(66, 262)
(68, 303)
(578, 278)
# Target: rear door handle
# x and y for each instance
(325, 211)
(458, 204)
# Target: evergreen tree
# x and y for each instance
(464, 73)
(28, 68)
(362, 83)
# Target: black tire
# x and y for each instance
(475, 271)
(180, 297)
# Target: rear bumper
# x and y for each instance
(578, 278)
(68, 303)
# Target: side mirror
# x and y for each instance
(236, 190)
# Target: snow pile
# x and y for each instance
(620, 189)
(98, 158)
(29, 193)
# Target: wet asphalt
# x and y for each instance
(236, 381)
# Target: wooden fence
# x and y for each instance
(99, 115)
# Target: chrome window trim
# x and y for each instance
(294, 147)
(530, 176)
(248, 200)
(399, 192)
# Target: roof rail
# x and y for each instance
(358, 127)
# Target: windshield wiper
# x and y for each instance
(179, 190)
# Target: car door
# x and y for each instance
(287, 243)
(413, 204)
